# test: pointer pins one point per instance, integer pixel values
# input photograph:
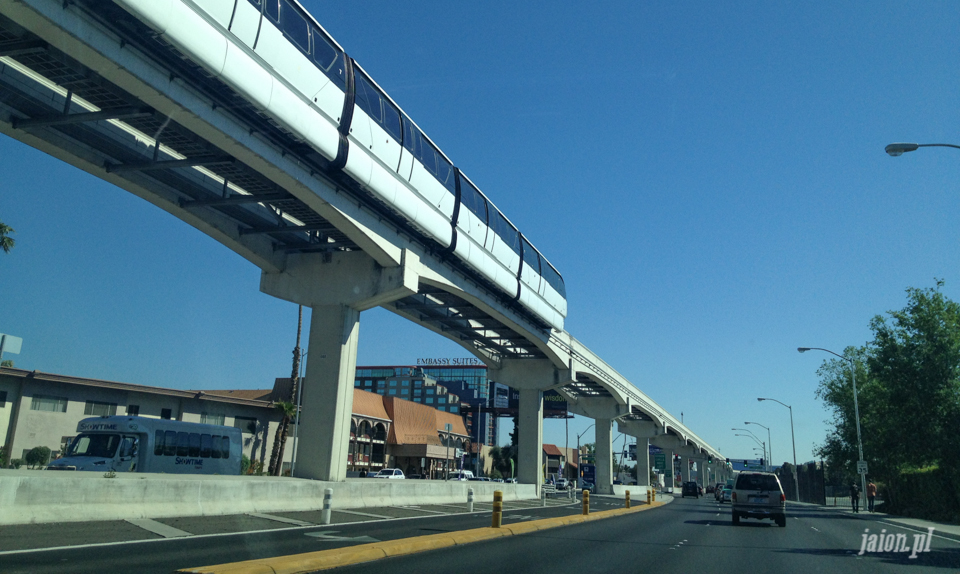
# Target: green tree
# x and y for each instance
(6, 363)
(37, 456)
(908, 382)
(6, 242)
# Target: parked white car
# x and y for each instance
(390, 473)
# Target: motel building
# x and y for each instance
(43, 409)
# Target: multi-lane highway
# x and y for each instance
(687, 535)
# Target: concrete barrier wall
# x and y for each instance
(33, 496)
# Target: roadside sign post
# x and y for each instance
(861, 467)
(446, 463)
(9, 344)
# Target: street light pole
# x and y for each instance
(579, 460)
(853, 378)
(793, 443)
(769, 442)
(756, 438)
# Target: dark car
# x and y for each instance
(690, 489)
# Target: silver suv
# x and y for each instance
(758, 495)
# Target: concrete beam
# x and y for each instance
(597, 407)
(350, 278)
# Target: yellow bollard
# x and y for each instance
(628, 499)
(497, 508)
(586, 502)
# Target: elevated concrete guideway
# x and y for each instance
(88, 84)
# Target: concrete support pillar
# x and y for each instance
(324, 435)
(670, 473)
(604, 452)
(643, 462)
(530, 447)
(685, 467)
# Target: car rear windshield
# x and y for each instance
(757, 482)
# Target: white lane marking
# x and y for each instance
(282, 519)
(955, 541)
(367, 514)
(814, 529)
(329, 535)
(159, 528)
(421, 509)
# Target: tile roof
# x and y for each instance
(369, 405)
(551, 450)
(250, 394)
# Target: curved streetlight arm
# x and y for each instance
(759, 442)
(769, 454)
(749, 431)
(793, 440)
(898, 149)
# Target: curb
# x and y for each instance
(326, 559)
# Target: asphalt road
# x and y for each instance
(686, 536)
(116, 546)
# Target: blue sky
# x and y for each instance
(709, 179)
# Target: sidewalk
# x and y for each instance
(944, 529)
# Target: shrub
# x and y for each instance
(37, 456)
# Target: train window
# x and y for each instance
(472, 200)
(272, 9)
(183, 444)
(194, 444)
(158, 443)
(409, 135)
(225, 447)
(391, 120)
(205, 445)
(170, 444)
(531, 258)
(294, 26)
(506, 231)
(428, 156)
(445, 174)
(553, 278)
(215, 450)
(324, 54)
(368, 99)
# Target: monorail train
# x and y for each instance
(276, 55)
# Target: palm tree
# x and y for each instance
(280, 442)
(286, 411)
(6, 242)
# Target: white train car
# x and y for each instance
(276, 55)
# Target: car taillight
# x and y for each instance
(782, 498)
(733, 496)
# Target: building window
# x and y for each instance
(417, 392)
(442, 400)
(211, 419)
(393, 391)
(48, 403)
(404, 391)
(165, 414)
(368, 383)
(393, 383)
(356, 383)
(405, 382)
(133, 410)
(429, 400)
(431, 390)
(3, 399)
(454, 409)
(245, 424)
(441, 408)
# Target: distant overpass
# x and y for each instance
(116, 100)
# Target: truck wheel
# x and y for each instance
(782, 521)
(736, 519)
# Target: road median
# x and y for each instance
(327, 559)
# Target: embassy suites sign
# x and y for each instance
(449, 362)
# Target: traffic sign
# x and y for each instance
(861, 467)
